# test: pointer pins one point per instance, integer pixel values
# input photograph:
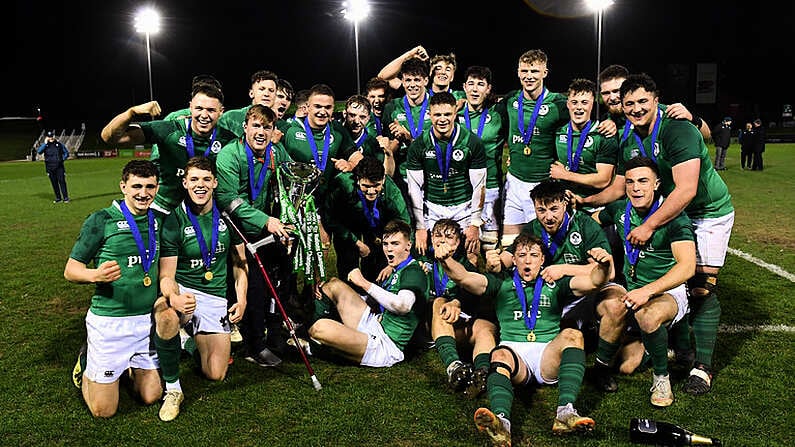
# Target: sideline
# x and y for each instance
(736, 328)
(771, 267)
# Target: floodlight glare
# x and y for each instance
(598, 5)
(356, 10)
(147, 21)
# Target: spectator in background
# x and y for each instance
(54, 155)
(759, 145)
(722, 135)
(746, 139)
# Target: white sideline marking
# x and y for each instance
(771, 267)
(735, 328)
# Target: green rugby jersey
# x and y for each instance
(232, 120)
(597, 149)
(582, 234)
(173, 155)
(346, 219)
(233, 182)
(677, 142)
(551, 115)
(395, 110)
(106, 236)
(178, 238)
(467, 153)
(554, 298)
(400, 328)
(656, 258)
(493, 137)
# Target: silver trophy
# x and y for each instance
(299, 181)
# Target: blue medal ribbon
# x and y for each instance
(558, 240)
(256, 187)
(527, 133)
(439, 281)
(360, 141)
(189, 141)
(320, 160)
(415, 130)
(654, 133)
(373, 217)
(574, 159)
(444, 161)
(632, 251)
(399, 267)
(207, 252)
(147, 253)
(379, 127)
(627, 130)
(481, 123)
(529, 322)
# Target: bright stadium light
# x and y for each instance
(356, 11)
(598, 7)
(147, 21)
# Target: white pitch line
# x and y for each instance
(737, 328)
(771, 267)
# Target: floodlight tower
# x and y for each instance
(598, 7)
(356, 11)
(147, 21)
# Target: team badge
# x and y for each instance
(575, 238)
(458, 155)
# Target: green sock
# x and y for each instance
(500, 391)
(168, 351)
(680, 334)
(572, 370)
(190, 346)
(657, 345)
(606, 351)
(322, 308)
(705, 314)
(445, 346)
(482, 360)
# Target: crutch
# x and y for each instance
(252, 248)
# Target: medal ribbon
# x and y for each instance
(627, 130)
(574, 159)
(256, 187)
(654, 133)
(481, 123)
(189, 141)
(147, 254)
(529, 322)
(320, 161)
(379, 128)
(444, 163)
(207, 252)
(399, 267)
(415, 130)
(360, 141)
(558, 240)
(527, 133)
(632, 251)
(373, 217)
(439, 281)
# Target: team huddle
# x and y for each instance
(503, 232)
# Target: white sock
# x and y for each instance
(173, 386)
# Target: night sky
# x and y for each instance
(83, 61)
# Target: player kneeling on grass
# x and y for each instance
(656, 274)
(375, 338)
(121, 241)
(532, 346)
(459, 316)
(196, 246)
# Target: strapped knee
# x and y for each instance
(488, 240)
(702, 284)
(507, 239)
(494, 365)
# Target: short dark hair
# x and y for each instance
(442, 98)
(397, 226)
(321, 89)
(581, 85)
(200, 162)
(529, 239)
(139, 168)
(636, 82)
(264, 75)
(360, 100)
(301, 97)
(612, 72)
(414, 66)
(285, 86)
(205, 79)
(478, 72)
(369, 168)
(640, 161)
(375, 83)
(443, 225)
(209, 90)
(548, 191)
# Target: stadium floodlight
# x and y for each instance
(598, 7)
(147, 21)
(356, 11)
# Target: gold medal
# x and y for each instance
(632, 272)
(527, 150)
(208, 275)
(531, 337)
(445, 187)
(147, 280)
